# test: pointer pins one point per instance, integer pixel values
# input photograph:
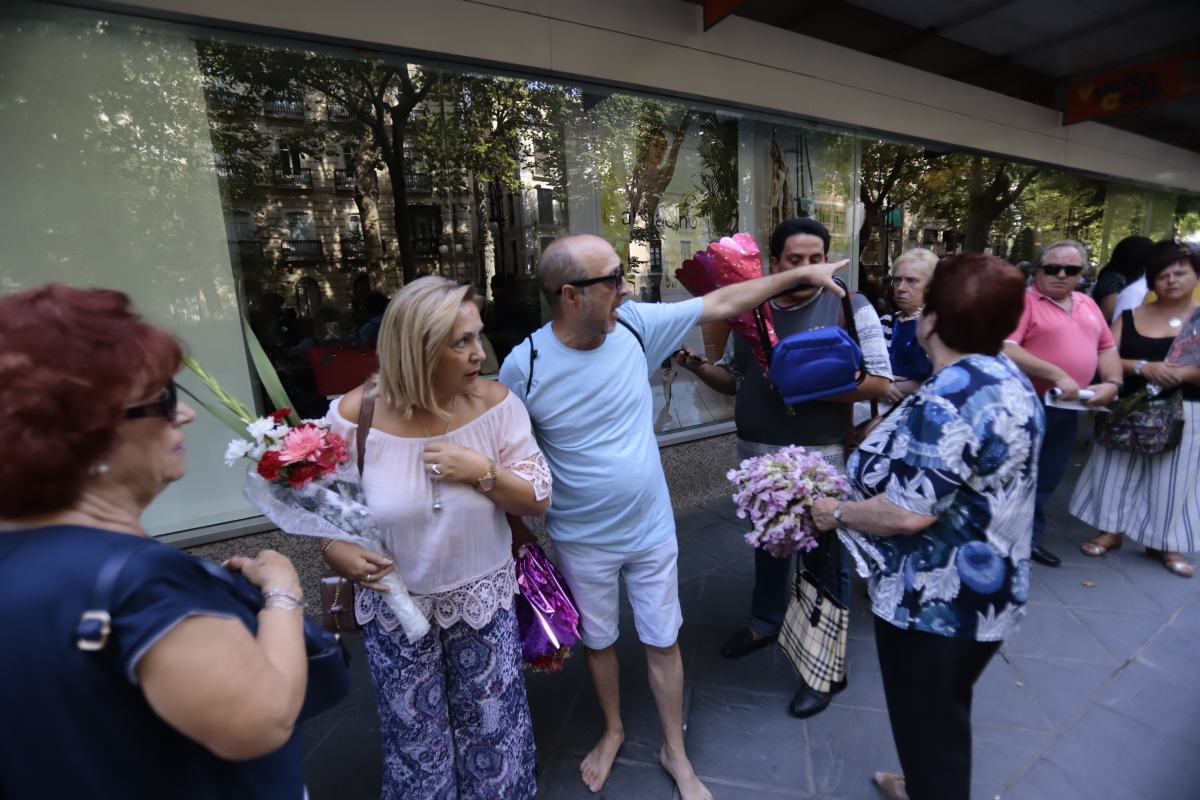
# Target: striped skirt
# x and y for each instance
(1154, 500)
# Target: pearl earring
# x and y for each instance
(98, 469)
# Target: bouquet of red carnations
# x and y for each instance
(302, 479)
(546, 614)
(730, 260)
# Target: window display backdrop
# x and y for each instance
(109, 182)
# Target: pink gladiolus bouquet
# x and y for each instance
(730, 260)
(777, 491)
(1184, 352)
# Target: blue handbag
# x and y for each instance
(818, 363)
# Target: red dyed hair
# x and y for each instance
(70, 360)
(978, 300)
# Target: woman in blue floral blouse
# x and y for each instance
(941, 518)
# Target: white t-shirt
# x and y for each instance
(592, 415)
(1131, 296)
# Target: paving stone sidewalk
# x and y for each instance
(1096, 697)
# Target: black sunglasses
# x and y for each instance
(166, 405)
(616, 279)
(1058, 269)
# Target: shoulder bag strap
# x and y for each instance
(636, 335)
(532, 356)
(366, 412)
(95, 624)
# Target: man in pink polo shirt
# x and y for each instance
(1061, 342)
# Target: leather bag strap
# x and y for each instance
(366, 412)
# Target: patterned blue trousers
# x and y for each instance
(454, 721)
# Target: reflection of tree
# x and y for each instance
(891, 175)
(970, 192)
(480, 132)
(632, 144)
(718, 190)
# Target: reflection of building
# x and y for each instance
(296, 230)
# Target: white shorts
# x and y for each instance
(651, 582)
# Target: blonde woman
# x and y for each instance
(910, 365)
(447, 455)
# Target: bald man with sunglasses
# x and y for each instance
(1062, 342)
(584, 379)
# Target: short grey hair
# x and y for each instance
(557, 267)
(1077, 246)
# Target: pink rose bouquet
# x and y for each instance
(777, 491)
(730, 260)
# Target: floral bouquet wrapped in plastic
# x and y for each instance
(302, 479)
(546, 614)
(1184, 352)
(733, 259)
(777, 491)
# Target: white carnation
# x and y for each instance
(237, 449)
(260, 428)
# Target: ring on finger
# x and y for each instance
(434, 469)
(370, 577)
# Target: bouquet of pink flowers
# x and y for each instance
(777, 491)
(730, 260)
(1184, 352)
(302, 479)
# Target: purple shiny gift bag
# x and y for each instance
(546, 614)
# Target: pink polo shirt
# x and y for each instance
(1071, 340)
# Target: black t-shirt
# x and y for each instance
(76, 724)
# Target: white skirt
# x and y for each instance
(1154, 500)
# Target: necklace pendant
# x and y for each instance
(437, 505)
(1175, 322)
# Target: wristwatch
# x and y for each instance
(837, 512)
(1137, 368)
(488, 481)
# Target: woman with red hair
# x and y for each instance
(942, 511)
(124, 656)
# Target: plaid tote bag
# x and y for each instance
(816, 629)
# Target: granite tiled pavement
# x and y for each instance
(1097, 696)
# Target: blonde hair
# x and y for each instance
(415, 327)
(921, 255)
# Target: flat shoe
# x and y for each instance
(743, 643)
(1099, 545)
(1177, 563)
(892, 785)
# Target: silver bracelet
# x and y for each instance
(269, 594)
(286, 602)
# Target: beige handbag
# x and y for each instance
(816, 628)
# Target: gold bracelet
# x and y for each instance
(328, 543)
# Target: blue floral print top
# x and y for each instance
(962, 448)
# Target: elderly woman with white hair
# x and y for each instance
(447, 456)
(911, 272)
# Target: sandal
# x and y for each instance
(1176, 563)
(1099, 545)
(891, 784)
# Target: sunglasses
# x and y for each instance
(616, 279)
(166, 405)
(1071, 270)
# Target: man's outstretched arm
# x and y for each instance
(732, 300)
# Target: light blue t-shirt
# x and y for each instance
(592, 415)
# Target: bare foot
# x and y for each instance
(680, 770)
(595, 767)
(892, 784)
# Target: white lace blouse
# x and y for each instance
(457, 562)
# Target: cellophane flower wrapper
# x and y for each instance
(730, 260)
(776, 493)
(1184, 352)
(333, 507)
(546, 614)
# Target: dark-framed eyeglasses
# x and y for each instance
(616, 279)
(1072, 270)
(167, 405)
